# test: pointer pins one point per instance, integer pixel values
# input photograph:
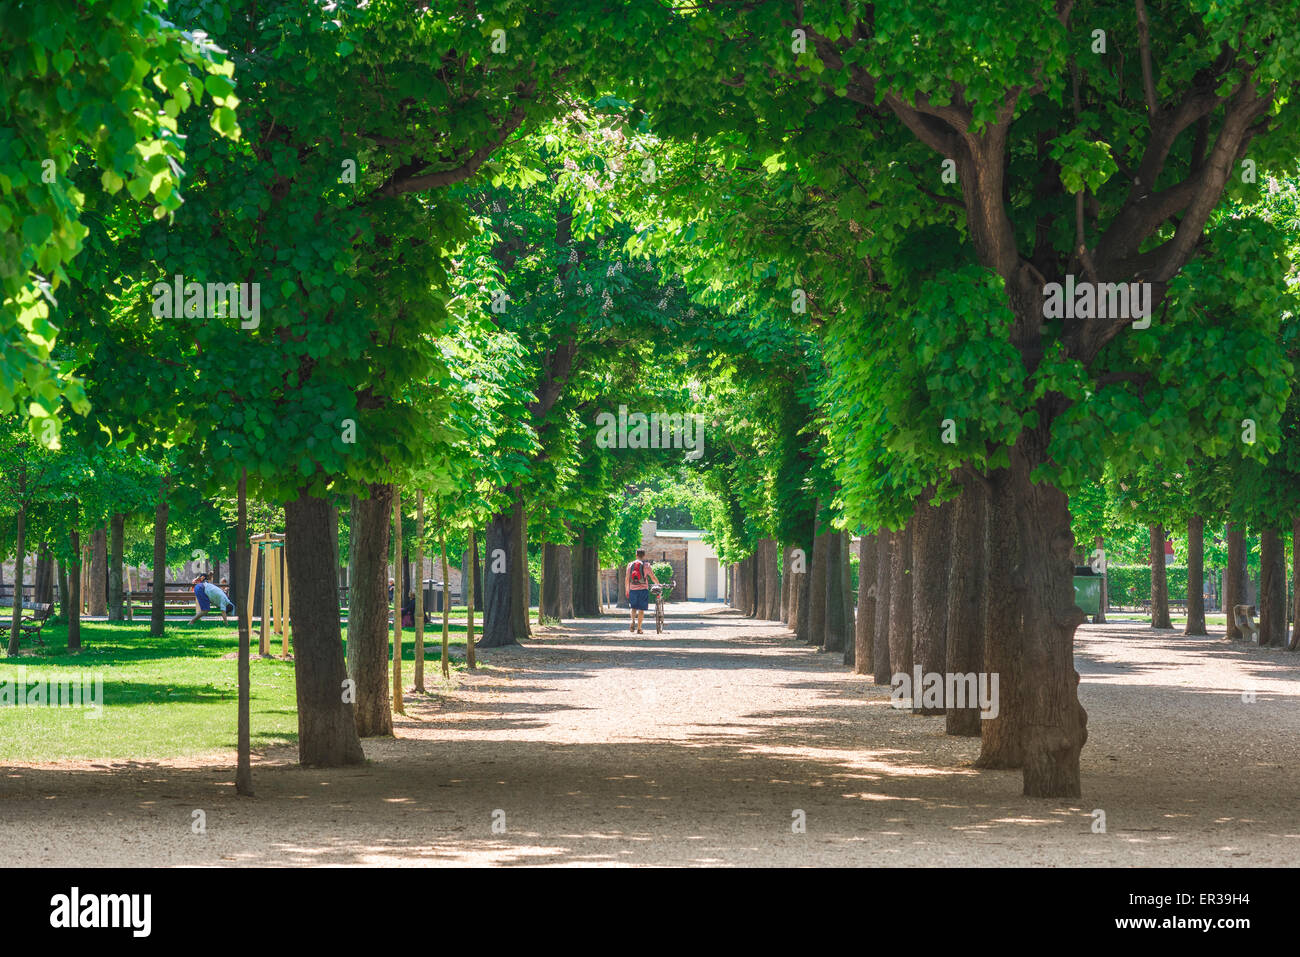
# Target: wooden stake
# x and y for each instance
(285, 622)
(254, 551)
(264, 638)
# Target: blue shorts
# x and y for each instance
(201, 597)
(639, 598)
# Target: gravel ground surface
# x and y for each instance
(701, 746)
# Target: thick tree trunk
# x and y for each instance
(886, 543)
(931, 557)
(1195, 576)
(864, 626)
(243, 754)
(327, 725)
(900, 603)
(74, 587)
(98, 590)
(1272, 589)
(498, 627)
(1053, 723)
(557, 581)
(967, 600)
(368, 612)
(835, 635)
(586, 578)
(353, 508)
(158, 607)
(1234, 578)
(1159, 580)
(1002, 736)
(117, 535)
(817, 589)
(760, 579)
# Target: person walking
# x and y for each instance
(201, 600)
(636, 586)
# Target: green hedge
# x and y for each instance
(1130, 585)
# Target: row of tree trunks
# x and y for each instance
(1195, 577)
(1159, 580)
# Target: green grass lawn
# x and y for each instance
(1220, 620)
(168, 696)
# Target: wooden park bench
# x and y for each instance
(1242, 616)
(174, 597)
(30, 625)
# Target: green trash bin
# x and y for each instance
(1087, 592)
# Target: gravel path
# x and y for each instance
(701, 746)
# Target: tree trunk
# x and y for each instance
(419, 592)
(967, 600)
(1053, 724)
(557, 582)
(99, 573)
(787, 580)
(1295, 584)
(887, 543)
(931, 558)
(471, 662)
(498, 622)
(1159, 580)
(353, 520)
(43, 584)
(327, 724)
(61, 573)
(399, 599)
(1272, 589)
(846, 597)
(834, 635)
(900, 603)
(586, 578)
(1195, 576)
(368, 611)
(117, 534)
(802, 586)
(1002, 737)
(243, 760)
(158, 607)
(760, 579)
(772, 572)
(817, 589)
(1234, 578)
(521, 589)
(1100, 617)
(864, 626)
(74, 586)
(446, 599)
(16, 616)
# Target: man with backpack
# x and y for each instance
(636, 585)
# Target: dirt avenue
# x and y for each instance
(707, 745)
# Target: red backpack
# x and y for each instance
(636, 571)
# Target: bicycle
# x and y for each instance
(659, 605)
